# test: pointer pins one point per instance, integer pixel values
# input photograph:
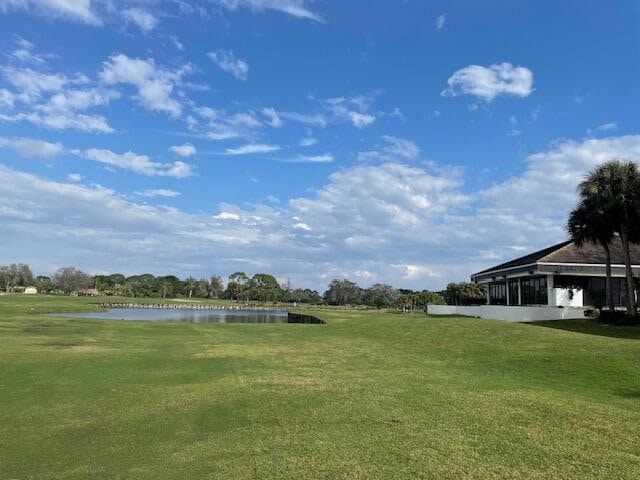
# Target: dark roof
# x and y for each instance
(569, 252)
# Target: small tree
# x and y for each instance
(70, 279)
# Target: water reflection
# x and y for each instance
(185, 315)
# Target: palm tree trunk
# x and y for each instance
(631, 291)
(609, 290)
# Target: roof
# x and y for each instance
(569, 252)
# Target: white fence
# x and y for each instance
(509, 314)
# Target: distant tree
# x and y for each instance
(381, 295)
(466, 293)
(169, 286)
(14, 275)
(70, 279)
(216, 286)
(202, 288)
(103, 283)
(342, 292)
(426, 297)
(144, 285)
(237, 286)
(264, 287)
(189, 286)
(306, 295)
(43, 284)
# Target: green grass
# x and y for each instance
(370, 395)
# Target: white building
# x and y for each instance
(561, 275)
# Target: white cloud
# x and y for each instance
(301, 226)
(313, 120)
(397, 149)
(78, 10)
(440, 21)
(207, 113)
(158, 192)
(227, 61)
(32, 148)
(33, 83)
(245, 119)
(63, 121)
(24, 52)
(553, 175)
(184, 150)
(296, 8)
(145, 20)
(227, 216)
(354, 109)
(74, 177)
(61, 110)
(252, 148)
(607, 127)
(308, 141)
(324, 158)
(7, 99)
(155, 86)
(417, 271)
(274, 118)
(361, 120)
(141, 164)
(489, 82)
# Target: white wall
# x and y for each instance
(562, 297)
(509, 314)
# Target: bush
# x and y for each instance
(618, 318)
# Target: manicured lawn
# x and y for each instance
(370, 395)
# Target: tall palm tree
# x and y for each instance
(589, 224)
(613, 187)
(190, 284)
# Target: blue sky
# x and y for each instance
(410, 142)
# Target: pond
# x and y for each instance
(185, 315)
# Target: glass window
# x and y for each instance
(498, 293)
(513, 292)
(534, 291)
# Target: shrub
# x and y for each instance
(618, 318)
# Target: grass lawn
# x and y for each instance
(370, 395)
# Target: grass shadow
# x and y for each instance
(591, 327)
(633, 394)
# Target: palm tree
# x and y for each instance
(190, 284)
(613, 188)
(588, 223)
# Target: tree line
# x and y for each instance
(260, 287)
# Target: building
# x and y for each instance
(561, 275)
(30, 290)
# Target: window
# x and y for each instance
(498, 293)
(534, 291)
(513, 292)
